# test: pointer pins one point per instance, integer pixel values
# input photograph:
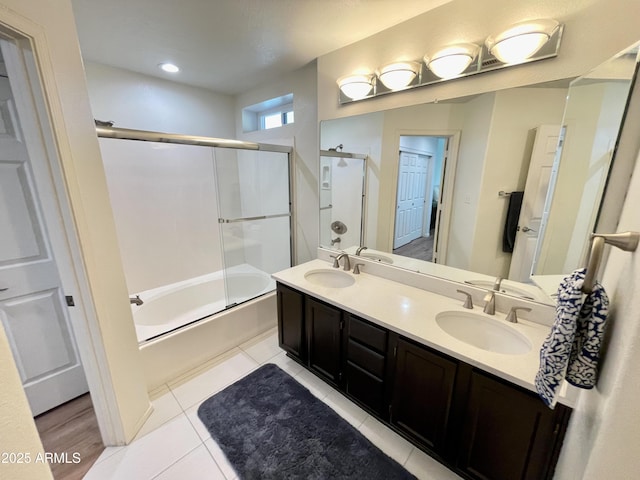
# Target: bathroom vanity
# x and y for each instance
(381, 343)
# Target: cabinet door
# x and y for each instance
(423, 390)
(324, 336)
(508, 433)
(291, 332)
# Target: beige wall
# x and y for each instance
(515, 113)
(303, 136)
(142, 102)
(19, 434)
(51, 25)
(603, 440)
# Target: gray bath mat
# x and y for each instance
(271, 427)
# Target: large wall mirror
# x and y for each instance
(500, 184)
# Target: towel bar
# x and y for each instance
(627, 241)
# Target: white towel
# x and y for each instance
(572, 348)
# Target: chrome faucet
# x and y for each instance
(336, 261)
(137, 300)
(490, 298)
(359, 250)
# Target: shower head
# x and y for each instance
(335, 149)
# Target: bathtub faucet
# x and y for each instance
(137, 300)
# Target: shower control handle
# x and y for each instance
(4, 289)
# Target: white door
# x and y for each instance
(33, 308)
(535, 192)
(412, 186)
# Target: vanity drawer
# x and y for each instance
(365, 388)
(367, 334)
(365, 358)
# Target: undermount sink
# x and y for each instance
(377, 258)
(330, 278)
(482, 332)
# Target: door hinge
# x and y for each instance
(70, 302)
(341, 324)
(395, 351)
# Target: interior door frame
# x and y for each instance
(445, 201)
(31, 40)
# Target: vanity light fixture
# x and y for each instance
(522, 40)
(449, 62)
(169, 67)
(356, 87)
(397, 76)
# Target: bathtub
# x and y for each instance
(173, 306)
(174, 340)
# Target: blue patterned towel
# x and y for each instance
(572, 349)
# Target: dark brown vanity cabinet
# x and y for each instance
(508, 433)
(422, 394)
(366, 366)
(324, 325)
(291, 328)
(480, 426)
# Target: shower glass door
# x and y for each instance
(254, 209)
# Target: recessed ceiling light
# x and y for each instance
(169, 67)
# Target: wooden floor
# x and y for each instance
(421, 248)
(71, 428)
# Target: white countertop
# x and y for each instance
(411, 312)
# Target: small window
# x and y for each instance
(274, 120)
(272, 113)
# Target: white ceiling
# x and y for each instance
(229, 46)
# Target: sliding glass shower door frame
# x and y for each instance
(181, 139)
(255, 219)
(250, 244)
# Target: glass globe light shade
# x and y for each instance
(521, 41)
(356, 87)
(452, 61)
(397, 76)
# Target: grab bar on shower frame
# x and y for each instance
(148, 136)
(249, 219)
(627, 241)
(106, 130)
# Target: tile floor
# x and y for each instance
(174, 445)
